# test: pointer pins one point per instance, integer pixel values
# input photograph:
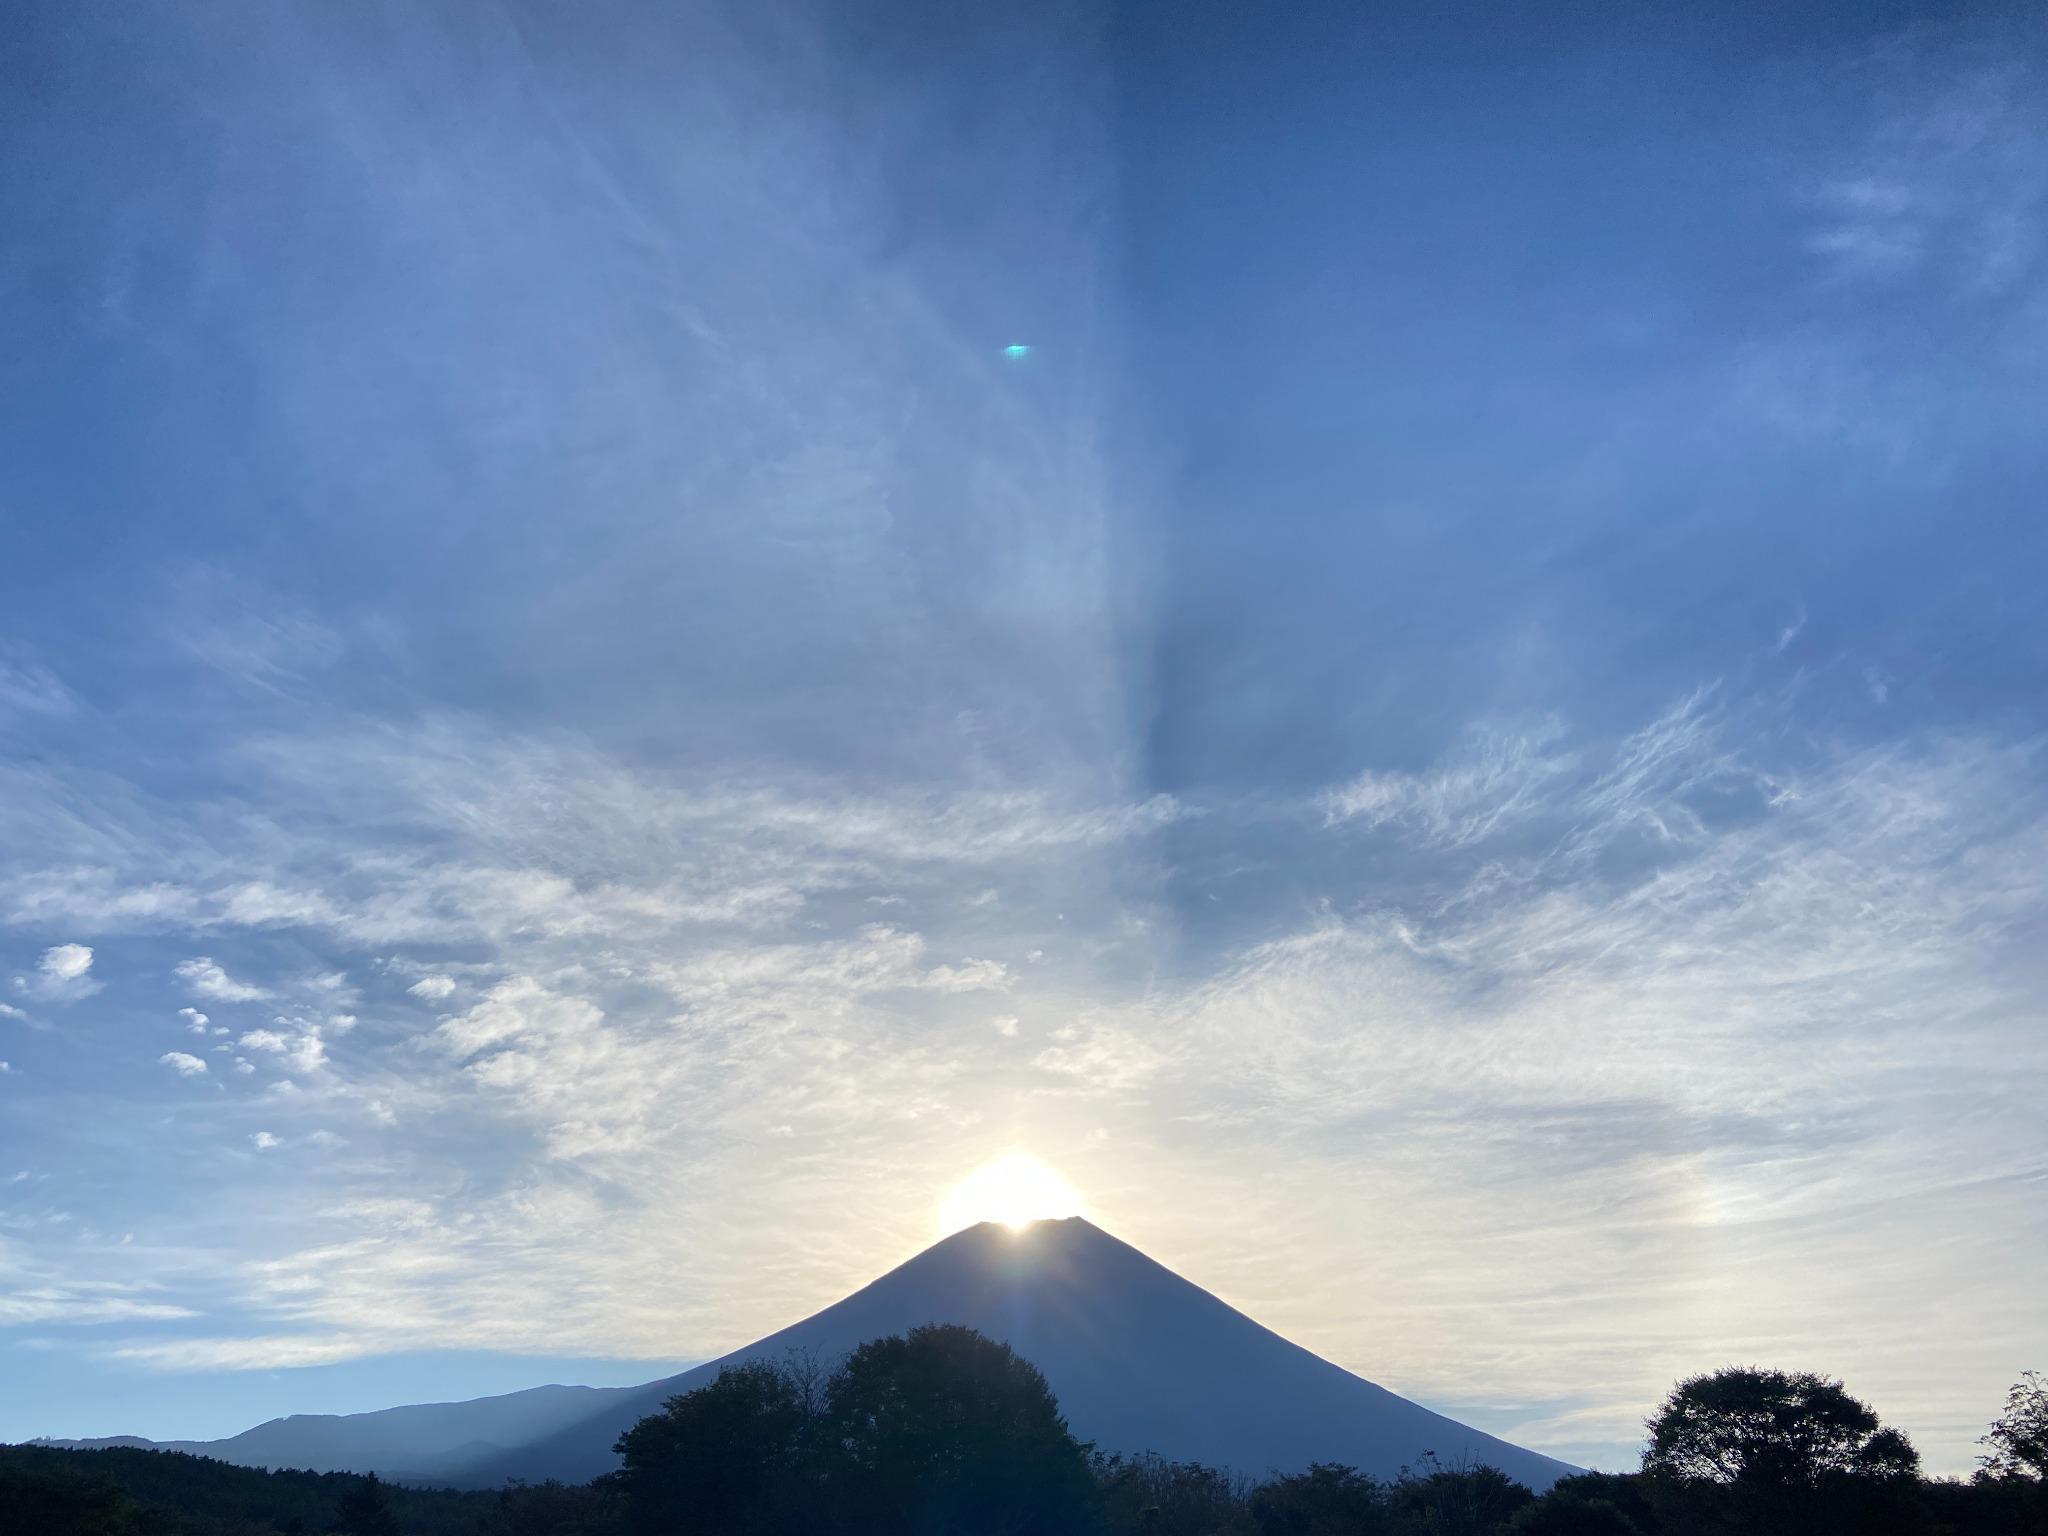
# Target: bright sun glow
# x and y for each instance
(1016, 1189)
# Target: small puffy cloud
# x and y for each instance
(64, 973)
(1006, 1025)
(303, 1052)
(341, 1023)
(263, 1141)
(206, 979)
(183, 1064)
(433, 988)
(381, 1112)
(194, 1020)
(9, 1011)
(6, 1067)
(325, 1139)
(244, 1066)
(66, 962)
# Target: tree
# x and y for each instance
(1756, 1427)
(2019, 1436)
(946, 1431)
(1572, 1514)
(61, 1503)
(554, 1508)
(1152, 1496)
(1463, 1499)
(1586, 1498)
(1760, 1451)
(364, 1511)
(734, 1456)
(1325, 1500)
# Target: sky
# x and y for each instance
(1457, 742)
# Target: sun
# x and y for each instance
(1016, 1190)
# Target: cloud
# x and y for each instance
(269, 1353)
(207, 979)
(303, 1051)
(434, 988)
(1789, 633)
(188, 1066)
(1661, 995)
(1951, 179)
(70, 1306)
(1495, 780)
(65, 964)
(32, 690)
(195, 1021)
(62, 975)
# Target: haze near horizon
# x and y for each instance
(1398, 655)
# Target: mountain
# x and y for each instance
(434, 1441)
(1139, 1358)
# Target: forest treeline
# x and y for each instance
(943, 1432)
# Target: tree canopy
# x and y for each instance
(1753, 1426)
(938, 1431)
(2018, 1439)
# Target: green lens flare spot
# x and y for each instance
(1016, 349)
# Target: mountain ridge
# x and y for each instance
(1140, 1359)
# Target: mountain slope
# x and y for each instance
(1139, 1358)
(420, 1439)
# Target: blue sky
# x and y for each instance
(1459, 745)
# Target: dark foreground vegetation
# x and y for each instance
(945, 1433)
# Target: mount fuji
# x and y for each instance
(1140, 1359)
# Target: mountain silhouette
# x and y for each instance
(1139, 1358)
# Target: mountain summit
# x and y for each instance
(1139, 1358)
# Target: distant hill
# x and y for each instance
(212, 1496)
(1139, 1358)
(422, 1441)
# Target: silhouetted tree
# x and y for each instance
(1149, 1495)
(1746, 1425)
(1623, 1492)
(60, 1502)
(1761, 1451)
(1572, 1514)
(2019, 1436)
(734, 1456)
(555, 1509)
(946, 1431)
(1463, 1499)
(1325, 1500)
(364, 1511)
